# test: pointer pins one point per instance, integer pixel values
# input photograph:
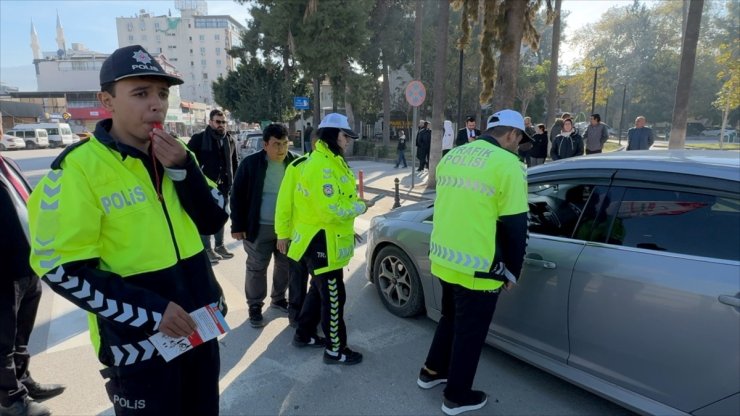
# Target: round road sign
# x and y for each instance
(415, 93)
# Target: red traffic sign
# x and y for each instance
(415, 93)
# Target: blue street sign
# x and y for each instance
(300, 103)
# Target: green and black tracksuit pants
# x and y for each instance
(325, 299)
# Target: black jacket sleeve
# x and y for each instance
(195, 144)
(241, 196)
(511, 241)
(204, 204)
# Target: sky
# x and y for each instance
(93, 23)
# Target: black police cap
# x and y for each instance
(133, 61)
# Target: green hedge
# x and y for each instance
(374, 150)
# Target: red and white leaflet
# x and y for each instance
(209, 323)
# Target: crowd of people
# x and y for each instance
(563, 139)
(121, 227)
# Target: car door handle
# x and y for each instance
(535, 261)
(730, 300)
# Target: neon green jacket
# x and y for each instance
(324, 198)
(477, 184)
(284, 206)
(103, 240)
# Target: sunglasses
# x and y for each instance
(219, 121)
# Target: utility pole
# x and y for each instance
(593, 94)
(621, 117)
(459, 87)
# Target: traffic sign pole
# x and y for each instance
(415, 95)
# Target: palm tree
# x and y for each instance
(552, 83)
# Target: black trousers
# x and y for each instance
(325, 299)
(187, 385)
(460, 335)
(19, 301)
(297, 286)
(591, 152)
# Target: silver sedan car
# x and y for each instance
(631, 282)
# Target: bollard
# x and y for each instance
(361, 187)
(397, 196)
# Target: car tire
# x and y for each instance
(2, 147)
(30, 144)
(397, 282)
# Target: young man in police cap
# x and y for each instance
(476, 255)
(115, 230)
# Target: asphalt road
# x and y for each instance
(263, 374)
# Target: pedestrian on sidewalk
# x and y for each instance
(494, 231)
(538, 153)
(401, 149)
(253, 206)
(640, 137)
(448, 137)
(423, 143)
(307, 136)
(115, 230)
(568, 143)
(596, 135)
(20, 294)
(325, 206)
(215, 150)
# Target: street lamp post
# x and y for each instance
(593, 94)
(621, 117)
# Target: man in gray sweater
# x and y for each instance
(640, 137)
(596, 135)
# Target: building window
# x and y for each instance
(156, 25)
(202, 38)
(131, 38)
(142, 24)
(130, 26)
(218, 62)
(218, 51)
(191, 51)
(192, 76)
(202, 51)
(217, 37)
(203, 62)
(171, 47)
(159, 38)
(192, 63)
(205, 75)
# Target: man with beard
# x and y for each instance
(216, 154)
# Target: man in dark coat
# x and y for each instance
(467, 134)
(423, 143)
(216, 153)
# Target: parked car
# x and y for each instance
(8, 142)
(694, 128)
(60, 134)
(248, 142)
(631, 282)
(729, 136)
(34, 137)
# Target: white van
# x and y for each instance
(34, 137)
(60, 134)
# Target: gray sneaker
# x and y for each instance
(221, 251)
(213, 257)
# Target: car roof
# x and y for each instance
(723, 164)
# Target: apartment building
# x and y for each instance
(195, 43)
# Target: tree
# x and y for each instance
(265, 80)
(531, 84)
(728, 98)
(440, 93)
(552, 83)
(685, 75)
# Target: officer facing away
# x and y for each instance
(476, 254)
(115, 229)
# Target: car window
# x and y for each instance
(598, 215)
(53, 131)
(41, 133)
(554, 208)
(678, 222)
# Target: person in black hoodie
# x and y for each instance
(538, 154)
(253, 203)
(20, 294)
(216, 154)
(568, 143)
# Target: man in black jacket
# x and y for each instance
(20, 294)
(423, 143)
(216, 153)
(467, 134)
(253, 202)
